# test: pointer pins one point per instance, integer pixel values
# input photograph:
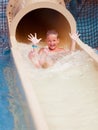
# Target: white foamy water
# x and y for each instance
(77, 62)
(67, 92)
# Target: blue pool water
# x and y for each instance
(6, 118)
(14, 113)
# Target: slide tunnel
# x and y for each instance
(39, 17)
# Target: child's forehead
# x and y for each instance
(52, 35)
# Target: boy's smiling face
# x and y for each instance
(52, 41)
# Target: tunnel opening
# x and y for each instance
(40, 21)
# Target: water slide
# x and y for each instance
(56, 102)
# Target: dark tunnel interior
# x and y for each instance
(40, 21)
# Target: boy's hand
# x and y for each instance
(74, 36)
(34, 39)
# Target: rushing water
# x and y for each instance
(67, 92)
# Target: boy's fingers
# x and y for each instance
(78, 34)
(40, 39)
(35, 35)
(29, 39)
(31, 35)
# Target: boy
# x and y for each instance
(49, 54)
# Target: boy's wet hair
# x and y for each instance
(52, 32)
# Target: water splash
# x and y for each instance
(76, 62)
